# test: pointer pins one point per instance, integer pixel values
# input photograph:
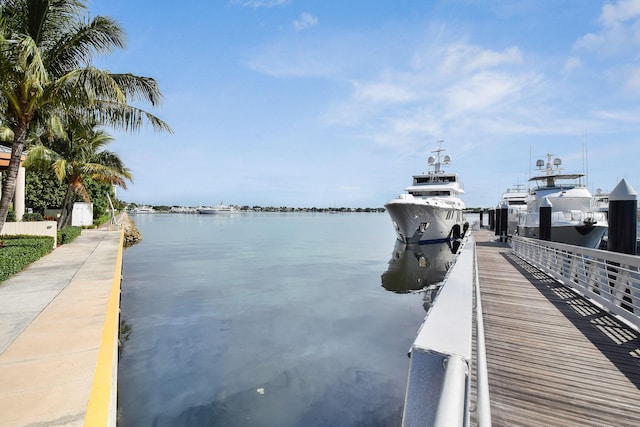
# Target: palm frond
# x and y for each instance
(76, 48)
(139, 88)
(40, 158)
(126, 117)
(6, 134)
(88, 85)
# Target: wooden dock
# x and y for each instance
(553, 358)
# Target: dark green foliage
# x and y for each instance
(18, 252)
(67, 234)
(32, 217)
(98, 192)
(43, 191)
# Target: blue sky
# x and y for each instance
(337, 103)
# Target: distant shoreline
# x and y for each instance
(145, 210)
(192, 210)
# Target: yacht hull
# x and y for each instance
(577, 235)
(425, 221)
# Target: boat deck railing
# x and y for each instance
(442, 389)
(610, 280)
(439, 386)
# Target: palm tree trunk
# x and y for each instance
(9, 189)
(67, 208)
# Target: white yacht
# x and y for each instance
(144, 209)
(516, 202)
(573, 219)
(218, 209)
(430, 211)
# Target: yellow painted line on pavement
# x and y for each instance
(101, 408)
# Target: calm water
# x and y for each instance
(268, 319)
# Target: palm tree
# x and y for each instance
(73, 159)
(46, 77)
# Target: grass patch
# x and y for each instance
(18, 252)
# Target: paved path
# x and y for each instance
(51, 320)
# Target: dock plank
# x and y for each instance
(553, 358)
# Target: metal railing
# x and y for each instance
(610, 280)
(483, 402)
(438, 390)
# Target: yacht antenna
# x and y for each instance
(438, 156)
(529, 179)
(585, 157)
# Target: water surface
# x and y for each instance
(264, 319)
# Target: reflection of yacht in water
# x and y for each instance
(419, 267)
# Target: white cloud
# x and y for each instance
(467, 58)
(256, 4)
(624, 10)
(305, 21)
(456, 88)
(285, 60)
(383, 92)
(572, 63)
(633, 80)
(485, 91)
(619, 32)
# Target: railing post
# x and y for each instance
(623, 211)
(545, 219)
(504, 221)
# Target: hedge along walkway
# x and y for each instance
(51, 321)
(17, 253)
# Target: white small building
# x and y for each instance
(82, 214)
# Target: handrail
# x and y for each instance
(438, 390)
(610, 280)
(483, 401)
(452, 396)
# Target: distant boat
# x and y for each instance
(218, 209)
(142, 210)
(431, 210)
(574, 221)
(516, 200)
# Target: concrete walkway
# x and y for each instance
(52, 317)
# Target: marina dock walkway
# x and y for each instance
(554, 359)
(52, 325)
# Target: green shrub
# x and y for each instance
(18, 252)
(11, 216)
(67, 234)
(32, 217)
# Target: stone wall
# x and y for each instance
(131, 233)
